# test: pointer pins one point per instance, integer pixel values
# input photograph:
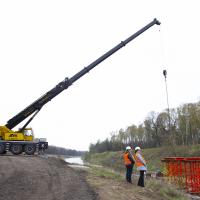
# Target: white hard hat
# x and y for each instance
(137, 148)
(128, 148)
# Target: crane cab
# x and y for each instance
(28, 134)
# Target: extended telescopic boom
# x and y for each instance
(39, 103)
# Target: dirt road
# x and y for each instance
(37, 178)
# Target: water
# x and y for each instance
(74, 160)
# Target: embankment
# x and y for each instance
(109, 180)
(153, 156)
(41, 178)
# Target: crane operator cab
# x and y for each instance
(28, 131)
(28, 134)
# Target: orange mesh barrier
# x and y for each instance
(184, 172)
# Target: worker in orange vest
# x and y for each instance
(141, 165)
(129, 163)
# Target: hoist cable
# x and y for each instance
(162, 49)
(163, 61)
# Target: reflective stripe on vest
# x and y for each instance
(138, 162)
(126, 159)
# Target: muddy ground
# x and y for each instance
(37, 178)
(47, 178)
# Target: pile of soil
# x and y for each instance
(39, 178)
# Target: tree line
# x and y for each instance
(177, 126)
(54, 150)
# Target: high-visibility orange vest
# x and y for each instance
(126, 159)
(137, 160)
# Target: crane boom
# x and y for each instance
(35, 107)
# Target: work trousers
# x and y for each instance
(141, 178)
(129, 170)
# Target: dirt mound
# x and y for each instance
(36, 178)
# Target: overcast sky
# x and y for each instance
(42, 42)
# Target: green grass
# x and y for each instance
(105, 173)
(153, 156)
(165, 191)
(113, 160)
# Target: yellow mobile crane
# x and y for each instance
(23, 140)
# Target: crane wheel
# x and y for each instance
(2, 148)
(29, 149)
(16, 149)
